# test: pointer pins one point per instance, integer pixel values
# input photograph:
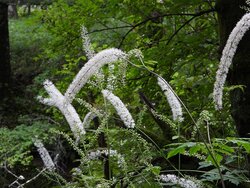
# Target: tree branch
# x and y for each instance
(187, 22)
(194, 15)
(32, 179)
(109, 28)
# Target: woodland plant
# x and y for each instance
(130, 162)
(115, 140)
(227, 57)
(43, 152)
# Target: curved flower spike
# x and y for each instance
(172, 100)
(58, 100)
(120, 108)
(227, 56)
(91, 67)
(87, 119)
(44, 154)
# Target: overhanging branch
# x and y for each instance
(194, 15)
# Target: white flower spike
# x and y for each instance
(172, 100)
(88, 118)
(121, 109)
(227, 56)
(90, 68)
(58, 100)
(44, 154)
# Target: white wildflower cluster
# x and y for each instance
(58, 100)
(98, 153)
(182, 182)
(44, 154)
(63, 103)
(227, 56)
(86, 43)
(172, 100)
(121, 109)
(91, 67)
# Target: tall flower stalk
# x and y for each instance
(45, 156)
(91, 67)
(121, 109)
(227, 56)
(63, 102)
(87, 119)
(58, 100)
(172, 99)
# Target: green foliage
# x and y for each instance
(16, 145)
(26, 45)
(27, 39)
(230, 154)
(180, 61)
(186, 58)
(130, 162)
(179, 57)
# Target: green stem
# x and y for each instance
(191, 117)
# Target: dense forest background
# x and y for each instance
(179, 41)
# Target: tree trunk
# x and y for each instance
(13, 11)
(29, 9)
(229, 13)
(5, 69)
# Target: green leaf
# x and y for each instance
(195, 149)
(178, 150)
(175, 137)
(218, 158)
(156, 170)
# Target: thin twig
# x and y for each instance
(194, 15)
(32, 179)
(187, 22)
(5, 167)
(109, 28)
